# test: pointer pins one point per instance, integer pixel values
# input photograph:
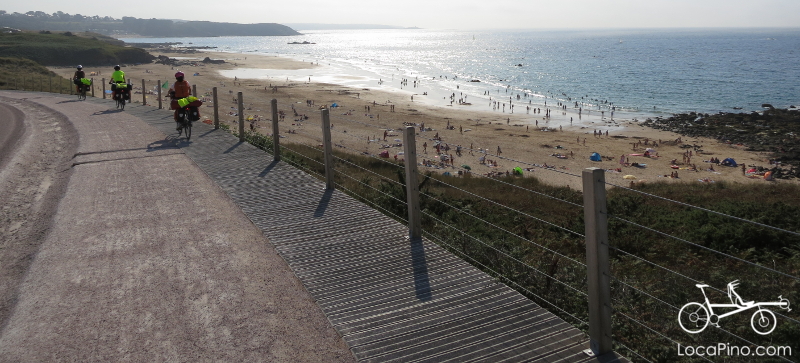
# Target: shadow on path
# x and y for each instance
(323, 203)
(422, 285)
(268, 169)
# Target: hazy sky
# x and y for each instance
(440, 14)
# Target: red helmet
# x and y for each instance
(179, 74)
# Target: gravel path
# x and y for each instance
(116, 247)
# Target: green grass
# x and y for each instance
(25, 74)
(58, 49)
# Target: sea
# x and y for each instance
(634, 73)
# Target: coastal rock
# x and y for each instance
(775, 131)
(213, 61)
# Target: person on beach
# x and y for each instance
(180, 89)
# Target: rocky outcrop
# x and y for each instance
(776, 131)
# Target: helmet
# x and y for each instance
(179, 74)
(116, 68)
(80, 67)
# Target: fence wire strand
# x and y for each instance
(506, 278)
(706, 210)
(514, 186)
(504, 230)
(505, 254)
(704, 247)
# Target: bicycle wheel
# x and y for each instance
(693, 317)
(122, 103)
(188, 128)
(763, 321)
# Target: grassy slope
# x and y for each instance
(11, 68)
(58, 49)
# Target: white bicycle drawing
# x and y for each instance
(695, 317)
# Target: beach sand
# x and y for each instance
(521, 142)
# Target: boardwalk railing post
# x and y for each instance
(158, 91)
(103, 81)
(598, 271)
(92, 87)
(412, 183)
(326, 142)
(275, 132)
(144, 93)
(194, 90)
(216, 108)
(241, 118)
(51, 84)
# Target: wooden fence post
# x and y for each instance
(194, 90)
(216, 108)
(597, 264)
(326, 143)
(241, 118)
(158, 87)
(275, 132)
(103, 81)
(93, 88)
(144, 93)
(412, 183)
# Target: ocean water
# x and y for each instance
(637, 73)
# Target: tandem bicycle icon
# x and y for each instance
(695, 317)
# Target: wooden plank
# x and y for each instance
(392, 299)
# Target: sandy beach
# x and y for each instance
(524, 140)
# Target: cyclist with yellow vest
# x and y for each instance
(180, 89)
(117, 77)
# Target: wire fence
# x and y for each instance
(542, 259)
(660, 245)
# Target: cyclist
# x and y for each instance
(180, 89)
(79, 74)
(117, 77)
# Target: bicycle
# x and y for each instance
(83, 87)
(699, 316)
(82, 93)
(185, 123)
(120, 94)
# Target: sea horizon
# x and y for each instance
(636, 73)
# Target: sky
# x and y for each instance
(441, 14)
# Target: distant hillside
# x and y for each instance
(60, 21)
(169, 28)
(317, 26)
(67, 49)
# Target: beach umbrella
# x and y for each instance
(465, 166)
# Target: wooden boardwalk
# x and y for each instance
(391, 299)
